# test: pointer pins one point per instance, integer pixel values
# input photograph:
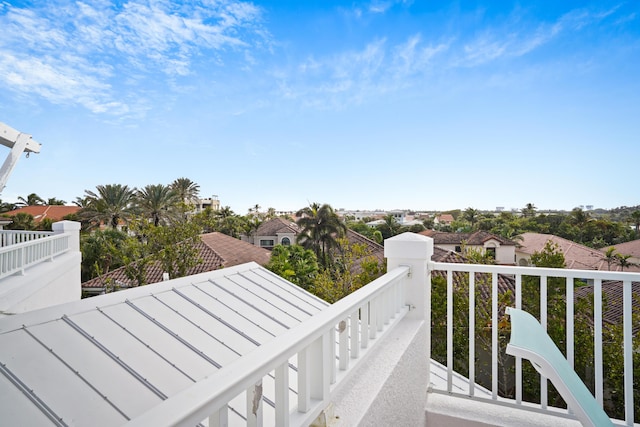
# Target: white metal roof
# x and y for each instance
(110, 358)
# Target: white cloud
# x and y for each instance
(137, 38)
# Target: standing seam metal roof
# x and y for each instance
(107, 359)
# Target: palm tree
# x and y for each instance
(6, 207)
(635, 220)
(610, 256)
(471, 215)
(32, 200)
(22, 221)
(529, 210)
(623, 261)
(52, 201)
(187, 190)
(158, 203)
(320, 228)
(111, 204)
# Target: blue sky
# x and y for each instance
(362, 105)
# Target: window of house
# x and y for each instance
(458, 249)
(285, 241)
(491, 252)
(266, 243)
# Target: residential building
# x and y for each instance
(212, 203)
(443, 219)
(503, 250)
(576, 256)
(272, 232)
(627, 248)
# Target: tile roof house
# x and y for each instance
(576, 256)
(276, 231)
(39, 212)
(216, 250)
(503, 249)
(444, 219)
(628, 248)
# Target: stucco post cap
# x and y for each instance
(409, 245)
(65, 226)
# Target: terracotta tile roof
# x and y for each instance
(217, 250)
(628, 248)
(476, 238)
(277, 225)
(40, 212)
(612, 295)
(234, 251)
(576, 256)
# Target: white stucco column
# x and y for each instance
(415, 251)
(71, 227)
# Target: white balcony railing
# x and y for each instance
(482, 285)
(327, 347)
(344, 332)
(13, 237)
(23, 249)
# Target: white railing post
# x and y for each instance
(415, 251)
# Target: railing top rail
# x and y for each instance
(25, 232)
(536, 271)
(17, 246)
(196, 403)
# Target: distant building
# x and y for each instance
(503, 250)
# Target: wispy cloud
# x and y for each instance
(514, 38)
(78, 52)
(353, 76)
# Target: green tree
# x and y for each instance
(529, 210)
(610, 256)
(390, 228)
(471, 215)
(31, 200)
(294, 263)
(635, 220)
(174, 247)
(158, 203)
(354, 267)
(623, 261)
(101, 252)
(186, 190)
(320, 228)
(22, 221)
(111, 204)
(6, 207)
(52, 201)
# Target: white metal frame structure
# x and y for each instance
(19, 143)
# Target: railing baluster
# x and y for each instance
(254, 405)
(628, 351)
(519, 359)
(365, 315)
(494, 336)
(282, 395)
(449, 330)
(543, 321)
(343, 338)
(304, 380)
(472, 333)
(597, 339)
(332, 352)
(354, 332)
(220, 418)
